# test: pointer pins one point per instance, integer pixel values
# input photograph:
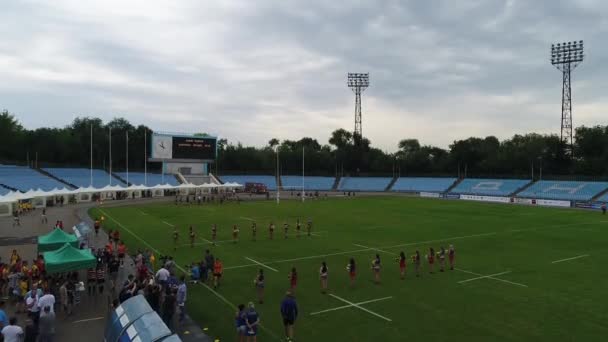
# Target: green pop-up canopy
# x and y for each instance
(55, 240)
(69, 258)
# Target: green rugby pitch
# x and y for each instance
(523, 273)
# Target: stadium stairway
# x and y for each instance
(390, 185)
(521, 189)
(215, 180)
(115, 175)
(454, 185)
(598, 196)
(336, 183)
(48, 174)
(180, 178)
(279, 183)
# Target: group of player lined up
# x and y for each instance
(236, 231)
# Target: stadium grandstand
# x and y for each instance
(490, 187)
(364, 183)
(269, 181)
(564, 190)
(23, 179)
(427, 184)
(310, 183)
(81, 177)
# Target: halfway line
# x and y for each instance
(168, 224)
(374, 249)
(482, 277)
(498, 279)
(576, 257)
(263, 265)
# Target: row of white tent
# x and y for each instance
(15, 196)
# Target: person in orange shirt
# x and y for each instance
(122, 250)
(25, 270)
(218, 269)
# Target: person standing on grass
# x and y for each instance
(351, 268)
(298, 228)
(451, 256)
(12, 332)
(309, 226)
(218, 270)
(46, 329)
(431, 259)
(293, 279)
(252, 319)
(258, 281)
(192, 237)
(286, 228)
(240, 320)
(175, 238)
(441, 259)
(209, 262)
(235, 233)
(402, 264)
(254, 230)
(417, 261)
(213, 234)
(323, 274)
(182, 291)
(376, 266)
(271, 230)
(289, 312)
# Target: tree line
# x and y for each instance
(344, 153)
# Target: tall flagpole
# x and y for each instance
(145, 156)
(127, 159)
(91, 180)
(277, 180)
(303, 192)
(110, 173)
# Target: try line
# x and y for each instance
(568, 259)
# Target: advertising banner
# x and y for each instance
(553, 203)
(430, 194)
(495, 199)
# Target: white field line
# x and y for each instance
(375, 249)
(88, 320)
(439, 240)
(261, 264)
(246, 218)
(568, 259)
(222, 298)
(483, 277)
(142, 212)
(360, 307)
(350, 306)
(493, 278)
(168, 224)
(207, 242)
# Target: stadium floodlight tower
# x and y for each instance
(358, 83)
(565, 57)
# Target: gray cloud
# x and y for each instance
(252, 70)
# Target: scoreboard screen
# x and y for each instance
(193, 148)
(168, 147)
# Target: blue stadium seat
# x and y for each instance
(489, 187)
(426, 184)
(153, 179)
(81, 177)
(269, 181)
(24, 178)
(581, 191)
(364, 183)
(310, 183)
(3, 191)
(603, 198)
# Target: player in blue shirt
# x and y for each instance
(252, 319)
(240, 321)
(289, 311)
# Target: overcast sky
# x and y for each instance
(251, 70)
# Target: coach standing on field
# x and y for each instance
(289, 311)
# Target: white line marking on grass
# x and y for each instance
(142, 212)
(439, 240)
(375, 249)
(261, 264)
(88, 320)
(568, 259)
(168, 224)
(349, 306)
(361, 308)
(232, 306)
(483, 277)
(246, 218)
(494, 278)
